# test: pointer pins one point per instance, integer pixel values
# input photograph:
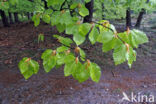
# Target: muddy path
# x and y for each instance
(53, 88)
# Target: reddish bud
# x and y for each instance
(77, 60)
(77, 50)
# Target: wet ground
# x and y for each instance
(20, 40)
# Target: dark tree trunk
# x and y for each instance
(140, 17)
(147, 1)
(16, 17)
(32, 14)
(11, 18)
(89, 6)
(4, 19)
(45, 4)
(103, 10)
(128, 18)
(28, 15)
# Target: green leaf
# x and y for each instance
(71, 29)
(55, 18)
(83, 75)
(79, 39)
(40, 38)
(46, 54)
(69, 58)
(109, 45)
(60, 27)
(49, 63)
(105, 36)
(49, 60)
(80, 73)
(4, 6)
(73, 6)
(34, 66)
(64, 58)
(82, 53)
(28, 67)
(48, 11)
(55, 2)
(124, 37)
(86, 1)
(138, 37)
(77, 70)
(66, 18)
(62, 49)
(60, 58)
(69, 68)
(46, 18)
(93, 35)
(65, 41)
(13, 2)
(131, 56)
(36, 19)
(84, 29)
(119, 54)
(83, 11)
(28, 74)
(23, 66)
(105, 27)
(95, 72)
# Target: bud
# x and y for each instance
(67, 52)
(128, 31)
(78, 23)
(28, 60)
(38, 15)
(79, 5)
(88, 62)
(54, 53)
(63, 11)
(127, 47)
(77, 60)
(116, 35)
(77, 50)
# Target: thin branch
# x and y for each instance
(104, 26)
(63, 4)
(111, 30)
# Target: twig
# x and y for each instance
(111, 30)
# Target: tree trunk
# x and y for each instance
(16, 17)
(89, 6)
(4, 19)
(45, 4)
(32, 14)
(28, 15)
(140, 17)
(11, 18)
(103, 10)
(128, 18)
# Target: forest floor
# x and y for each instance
(20, 40)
